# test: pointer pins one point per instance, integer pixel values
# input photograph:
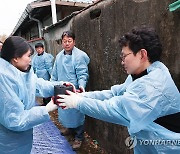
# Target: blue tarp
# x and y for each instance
(47, 139)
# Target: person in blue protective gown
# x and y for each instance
(147, 103)
(18, 88)
(71, 64)
(42, 64)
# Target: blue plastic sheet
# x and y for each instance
(47, 139)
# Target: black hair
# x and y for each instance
(143, 38)
(37, 45)
(68, 34)
(15, 47)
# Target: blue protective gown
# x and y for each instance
(18, 113)
(42, 65)
(72, 68)
(136, 104)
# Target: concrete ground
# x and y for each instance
(89, 146)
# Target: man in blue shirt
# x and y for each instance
(42, 65)
(71, 65)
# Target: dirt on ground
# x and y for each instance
(89, 145)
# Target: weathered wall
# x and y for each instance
(97, 32)
(99, 38)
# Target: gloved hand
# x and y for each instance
(68, 101)
(51, 106)
(81, 88)
(69, 84)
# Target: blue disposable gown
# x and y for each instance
(18, 113)
(72, 68)
(136, 104)
(42, 65)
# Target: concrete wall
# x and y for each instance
(98, 30)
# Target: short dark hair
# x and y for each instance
(39, 44)
(14, 47)
(146, 38)
(68, 33)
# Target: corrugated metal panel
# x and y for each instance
(32, 5)
(174, 6)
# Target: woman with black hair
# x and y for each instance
(19, 86)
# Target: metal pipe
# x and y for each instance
(53, 10)
(39, 25)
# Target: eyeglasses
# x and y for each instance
(124, 56)
(67, 41)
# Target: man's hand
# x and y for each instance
(68, 101)
(69, 84)
(80, 90)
